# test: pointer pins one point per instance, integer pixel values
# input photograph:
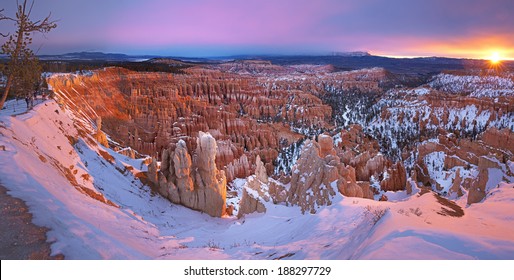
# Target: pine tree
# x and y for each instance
(23, 69)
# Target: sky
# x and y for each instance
(457, 28)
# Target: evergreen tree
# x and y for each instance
(23, 70)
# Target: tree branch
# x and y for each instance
(3, 17)
(30, 10)
(43, 26)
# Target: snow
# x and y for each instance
(417, 91)
(395, 196)
(236, 186)
(495, 178)
(40, 165)
(17, 106)
(421, 91)
(396, 118)
(477, 86)
(435, 165)
(482, 233)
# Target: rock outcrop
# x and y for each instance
(413, 181)
(480, 155)
(152, 172)
(194, 182)
(455, 188)
(311, 179)
(396, 179)
(249, 204)
(478, 188)
(322, 167)
(278, 192)
(362, 153)
(477, 191)
(255, 191)
(349, 188)
(366, 189)
(209, 180)
(99, 134)
(501, 139)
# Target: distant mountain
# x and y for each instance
(359, 60)
(97, 56)
(396, 65)
(340, 60)
(351, 54)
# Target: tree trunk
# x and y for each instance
(19, 41)
(6, 91)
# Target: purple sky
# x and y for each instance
(457, 28)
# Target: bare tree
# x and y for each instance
(22, 61)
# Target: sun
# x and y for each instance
(495, 58)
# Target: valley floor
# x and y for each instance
(89, 198)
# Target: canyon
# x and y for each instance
(361, 131)
(247, 159)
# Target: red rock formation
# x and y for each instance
(396, 178)
(194, 182)
(255, 190)
(153, 111)
(99, 134)
(499, 139)
(249, 204)
(490, 150)
(362, 153)
(366, 189)
(311, 179)
(326, 144)
(348, 188)
(477, 189)
(455, 188)
(278, 192)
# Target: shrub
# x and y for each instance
(375, 213)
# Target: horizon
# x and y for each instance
(399, 28)
(264, 55)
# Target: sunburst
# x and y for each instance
(495, 58)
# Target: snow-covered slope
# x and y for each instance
(90, 198)
(474, 85)
(431, 227)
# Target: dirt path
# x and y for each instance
(20, 239)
